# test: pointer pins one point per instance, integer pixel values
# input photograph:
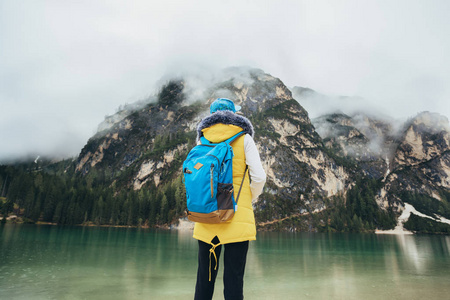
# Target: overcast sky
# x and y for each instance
(64, 65)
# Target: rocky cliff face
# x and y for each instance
(421, 161)
(425, 138)
(143, 146)
(410, 162)
(367, 141)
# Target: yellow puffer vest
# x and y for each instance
(242, 226)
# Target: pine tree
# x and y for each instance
(57, 215)
(164, 210)
(180, 196)
(98, 211)
(49, 204)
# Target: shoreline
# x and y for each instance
(184, 224)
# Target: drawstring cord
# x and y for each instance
(211, 251)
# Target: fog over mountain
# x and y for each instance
(65, 65)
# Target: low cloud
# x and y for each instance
(64, 66)
(363, 134)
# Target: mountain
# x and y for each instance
(420, 165)
(411, 162)
(336, 172)
(145, 148)
(367, 141)
(142, 145)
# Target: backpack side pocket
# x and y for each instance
(225, 200)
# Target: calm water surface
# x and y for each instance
(49, 262)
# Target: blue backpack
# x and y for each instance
(208, 178)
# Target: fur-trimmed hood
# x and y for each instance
(225, 117)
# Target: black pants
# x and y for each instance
(235, 257)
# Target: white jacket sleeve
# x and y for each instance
(256, 171)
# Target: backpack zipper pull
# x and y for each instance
(212, 180)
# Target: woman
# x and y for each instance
(235, 235)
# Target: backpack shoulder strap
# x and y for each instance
(242, 183)
(204, 141)
(231, 139)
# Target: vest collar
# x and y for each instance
(225, 118)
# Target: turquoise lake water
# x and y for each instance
(53, 262)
